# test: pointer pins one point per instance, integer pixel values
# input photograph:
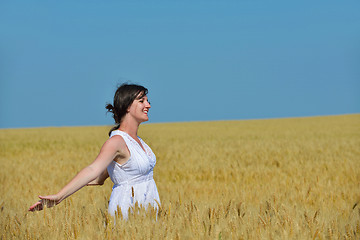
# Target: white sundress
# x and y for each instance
(133, 180)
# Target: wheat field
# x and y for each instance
(296, 178)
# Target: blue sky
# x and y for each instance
(60, 61)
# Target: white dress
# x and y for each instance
(133, 180)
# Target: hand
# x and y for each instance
(48, 201)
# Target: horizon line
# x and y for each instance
(192, 121)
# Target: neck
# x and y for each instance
(130, 127)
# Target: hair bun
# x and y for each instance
(110, 108)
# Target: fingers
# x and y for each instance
(48, 201)
(36, 207)
(44, 197)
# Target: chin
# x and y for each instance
(145, 120)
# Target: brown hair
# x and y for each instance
(123, 98)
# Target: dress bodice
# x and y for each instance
(140, 164)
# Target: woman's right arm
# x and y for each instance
(100, 179)
(111, 148)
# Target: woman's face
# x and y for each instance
(139, 109)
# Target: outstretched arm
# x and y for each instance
(108, 152)
(100, 179)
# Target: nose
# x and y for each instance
(148, 104)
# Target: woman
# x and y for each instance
(125, 157)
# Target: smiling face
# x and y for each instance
(139, 108)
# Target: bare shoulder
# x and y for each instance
(117, 143)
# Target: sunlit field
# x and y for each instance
(293, 178)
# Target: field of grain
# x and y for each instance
(259, 179)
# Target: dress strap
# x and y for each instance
(117, 132)
(124, 135)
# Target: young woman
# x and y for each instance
(125, 157)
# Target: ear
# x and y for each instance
(128, 109)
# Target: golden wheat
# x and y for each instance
(258, 179)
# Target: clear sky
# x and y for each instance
(60, 61)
